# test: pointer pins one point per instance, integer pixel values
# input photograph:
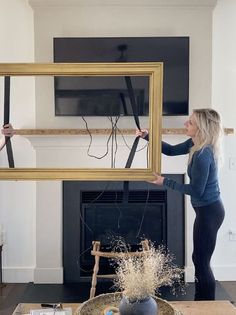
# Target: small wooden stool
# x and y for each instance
(97, 254)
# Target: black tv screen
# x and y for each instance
(76, 96)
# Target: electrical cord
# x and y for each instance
(91, 140)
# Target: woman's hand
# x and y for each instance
(141, 133)
(158, 180)
(8, 130)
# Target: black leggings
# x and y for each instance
(207, 223)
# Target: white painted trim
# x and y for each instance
(221, 273)
(48, 275)
(31, 274)
(225, 273)
(18, 275)
(125, 3)
(189, 274)
(55, 275)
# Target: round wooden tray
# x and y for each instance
(97, 305)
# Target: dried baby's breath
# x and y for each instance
(141, 276)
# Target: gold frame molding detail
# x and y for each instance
(153, 70)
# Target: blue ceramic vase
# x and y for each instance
(147, 306)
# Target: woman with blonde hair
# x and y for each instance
(204, 129)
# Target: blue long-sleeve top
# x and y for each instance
(203, 187)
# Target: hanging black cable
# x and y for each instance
(132, 101)
(6, 120)
(123, 58)
(136, 141)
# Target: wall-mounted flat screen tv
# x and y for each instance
(75, 96)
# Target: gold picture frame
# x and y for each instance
(154, 70)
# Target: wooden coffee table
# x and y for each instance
(186, 307)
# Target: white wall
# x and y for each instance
(224, 99)
(191, 18)
(17, 199)
(126, 20)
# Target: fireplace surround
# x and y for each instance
(100, 211)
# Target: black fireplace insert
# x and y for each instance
(98, 211)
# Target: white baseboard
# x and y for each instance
(189, 274)
(17, 275)
(55, 275)
(48, 275)
(225, 273)
(221, 273)
(31, 274)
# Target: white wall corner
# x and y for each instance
(48, 275)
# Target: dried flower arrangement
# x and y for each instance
(139, 277)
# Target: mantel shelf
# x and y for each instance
(71, 132)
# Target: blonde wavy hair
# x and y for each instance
(209, 132)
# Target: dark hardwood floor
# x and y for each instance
(11, 294)
(230, 288)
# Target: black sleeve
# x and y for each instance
(178, 149)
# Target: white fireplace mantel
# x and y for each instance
(49, 202)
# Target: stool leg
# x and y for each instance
(94, 277)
